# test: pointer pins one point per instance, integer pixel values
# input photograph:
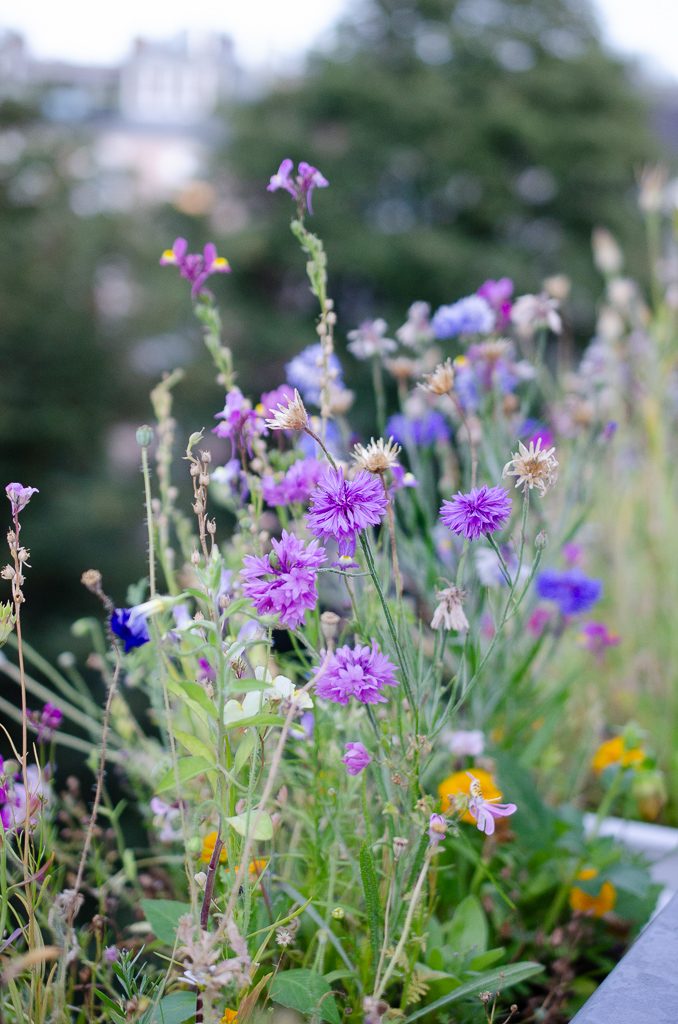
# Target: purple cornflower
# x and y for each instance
(301, 187)
(570, 589)
(418, 430)
(46, 722)
(356, 758)
(284, 583)
(19, 496)
(129, 625)
(485, 811)
(360, 672)
(111, 954)
(470, 315)
(533, 430)
(239, 422)
(437, 829)
(596, 638)
(304, 372)
(296, 485)
(609, 430)
(482, 511)
(573, 553)
(195, 267)
(341, 509)
(498, 295)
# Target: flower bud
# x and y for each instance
(145, 436)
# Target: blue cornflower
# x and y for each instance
(570, 589)
(418, 430)
(304, 372)
(471, 315)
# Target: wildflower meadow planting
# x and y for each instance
(364, 690)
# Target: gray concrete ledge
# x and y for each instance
(643, 987)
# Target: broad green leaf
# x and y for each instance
(175, 1008)
(497, 980)
(163, 917)
(468, 927)
(306, 992)
(250, 685)
(244, 750)
(187, 768)
(242, 823)
(485, 960)
(195, 746)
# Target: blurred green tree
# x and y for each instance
(463, 139)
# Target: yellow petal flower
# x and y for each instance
(208, 844)
(614, 752)
(595, 906)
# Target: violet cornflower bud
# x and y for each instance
(356, 758)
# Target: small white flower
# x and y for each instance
(533, 467)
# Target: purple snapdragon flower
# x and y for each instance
(129, 625)
(570, 589)
(299, 187)
(421, 431)
(597, 638)
(296, 485)
(359, 672)
(356, 758)
(498, 294)
(305, 369)
(240, 424)
(195, 267)
(19, 496)
(437, 828)
(46, 722)
(21, 805)
(486, 811)
(470, 315)
(284, 582)
(341, 509)
(482, 511)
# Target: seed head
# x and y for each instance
(441, 381)
(533, 467)
(377, 456)
(292, 416)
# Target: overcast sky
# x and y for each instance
(277, 30)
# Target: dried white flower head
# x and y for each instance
(530, 312)
(369, 340)
(533, 467)
(292, 416)
(402, 368)
(377, 456)
(450, 614)
(441, 381)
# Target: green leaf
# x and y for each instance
(485, 960)
(368, 874)
(242, 823)
(468, 927)
(187, 768)
(306, 992)
(196, 695)
(492, 981)
(244, 750)
(195, 746)
(175, 1008)
(255, 720)
(163, 917)
(250, 685)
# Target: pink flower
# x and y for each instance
(597, 638)
(485, 811)
(284, 583)
(301, 187)
(359, 672)
(437, 829)
(356, 758)
(19, 496)
(341, 509)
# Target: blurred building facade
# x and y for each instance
(151, 120)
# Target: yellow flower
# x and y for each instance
(595, 906)
(614, 752)
(230, 1017)
(459, 785)
(208, 844)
